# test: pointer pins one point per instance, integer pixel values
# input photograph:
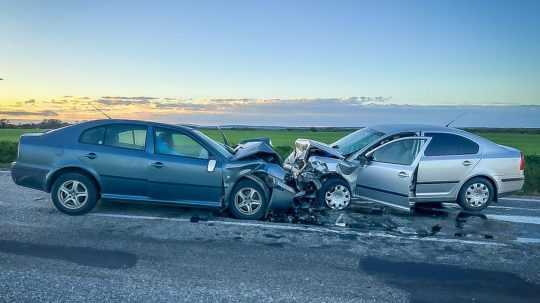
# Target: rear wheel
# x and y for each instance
(74, 194)
(476, 194)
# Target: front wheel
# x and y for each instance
(74, 194)
(334, 194)
(476, 194)
(248, 201)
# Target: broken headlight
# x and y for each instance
(319, 166)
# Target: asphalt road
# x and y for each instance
(145, 253)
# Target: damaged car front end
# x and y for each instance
(258, 162)
(312, 165)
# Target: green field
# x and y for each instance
(528, 143)
(12, 135)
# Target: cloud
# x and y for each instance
(183, 106)
(275, 105)
(46, 113)
(124, 100)
(129, 98)
(31, 101)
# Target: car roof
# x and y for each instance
(128, 121)
(398, 128)
(390, 129)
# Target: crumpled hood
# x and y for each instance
(301, 146)
(254, 149)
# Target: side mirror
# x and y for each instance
(369, 155)
(363, 160)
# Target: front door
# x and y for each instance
(179, 170)
(388, 174)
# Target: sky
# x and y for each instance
(271, 62)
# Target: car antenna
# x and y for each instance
(223, 136)
(100, 110)
(457, 117)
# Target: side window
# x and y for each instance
(449, 144)
(94, 135)
(126, 136)
(401, 152)
(169, 142)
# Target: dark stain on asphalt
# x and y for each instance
(348, 237)
(80, 255)
(447, 283)
(274, 244)
(272, 236)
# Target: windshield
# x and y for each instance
(356, 141)
(219, 147)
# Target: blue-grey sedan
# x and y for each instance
(124, 160)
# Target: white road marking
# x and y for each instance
(306, 228)
(517, 208)
(453, 205)
(528, 240)
(516, 219)
(520, 199)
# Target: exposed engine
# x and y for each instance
(311, 163)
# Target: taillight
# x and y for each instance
(522, 162)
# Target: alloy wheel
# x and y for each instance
(248, 201)
(72, 194)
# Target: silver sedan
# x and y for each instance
(402, 165)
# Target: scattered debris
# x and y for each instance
(340, 222)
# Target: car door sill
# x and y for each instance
(404, 208)
(144, 199)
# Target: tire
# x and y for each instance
(243, 198)
(334, 194)
(476, 194)
(64, 200)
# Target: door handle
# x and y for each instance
(403, 174)
(157, 164)
(211, 165)
(91, 156)
(467, 163)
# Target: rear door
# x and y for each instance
(388, 174)
(446, 162)
(117, 153)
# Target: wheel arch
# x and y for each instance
(335, 175)
(53, 176)
(251, 177)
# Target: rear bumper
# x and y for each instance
(28, 176)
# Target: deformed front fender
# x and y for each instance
(269, 176)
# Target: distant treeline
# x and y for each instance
(45, 124)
